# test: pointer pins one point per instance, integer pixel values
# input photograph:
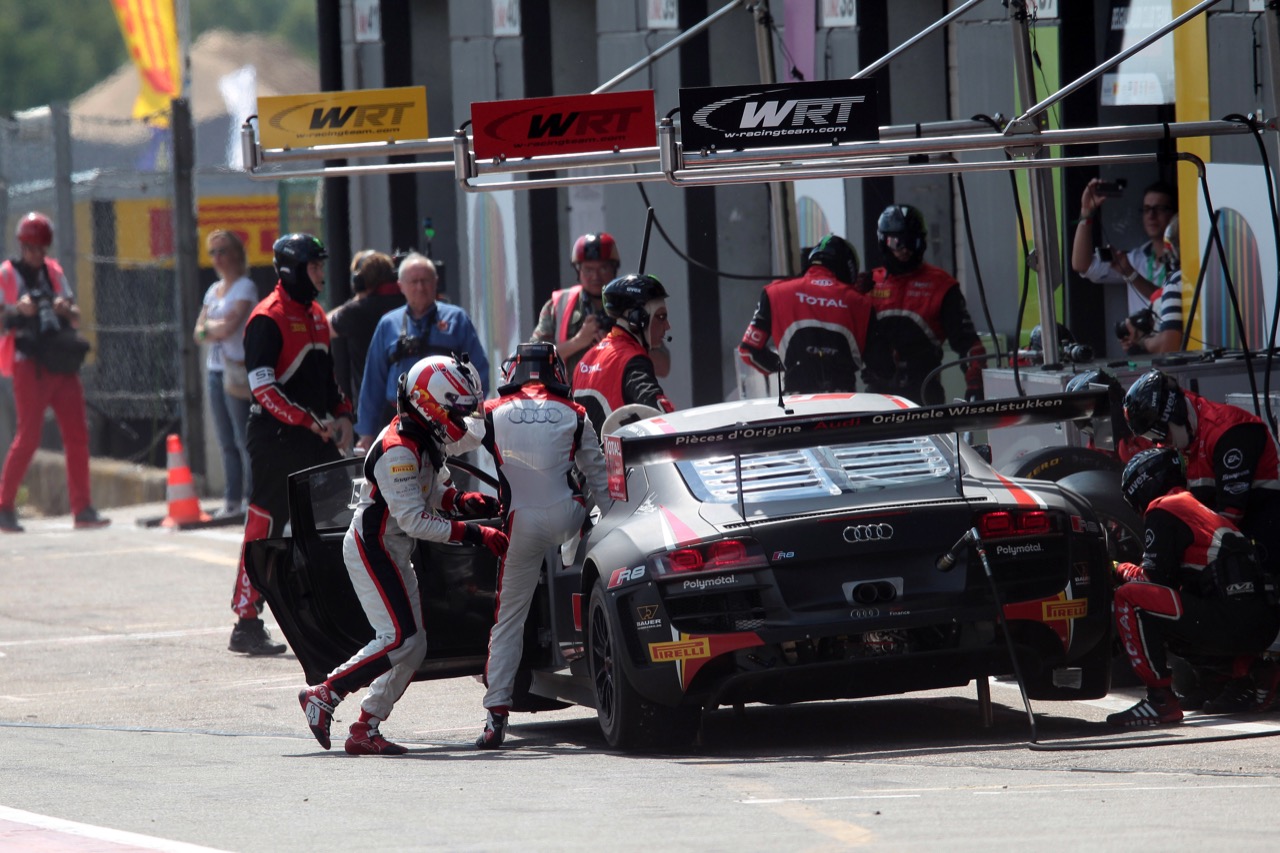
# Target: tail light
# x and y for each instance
(719, 555)
(997, 525)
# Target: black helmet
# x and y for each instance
(837, 255)
(535, 362)
(1036, 340)
(1085, 382)
(292, 253)
(1153, 403)
(1150, 474)
(625, 298)
(906, 225)
(1082, 381)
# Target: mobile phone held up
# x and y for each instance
(1105, 253)
(1110, 189)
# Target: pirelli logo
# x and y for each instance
(402, 469)
(1052, 611)
(682, 650)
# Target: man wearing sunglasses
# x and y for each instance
(1142, 270)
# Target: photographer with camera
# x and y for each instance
(1144, 269)
(1158, 330)
(42, 352)
(423, 327)
(574, 318)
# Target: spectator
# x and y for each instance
(1159, 329)
(618, 371)
(1142, 269)
(406, 483)
(298, 419)
(817, 328)
(221, 323)
(43, 355)
(1198, 592)
(536, 434)
(919, 306)
(573, 318)
(424, 326)
(373, 281)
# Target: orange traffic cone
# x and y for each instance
(184, 507)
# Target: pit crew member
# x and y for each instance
(536, 434)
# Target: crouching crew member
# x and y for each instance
(406, 485)
(536, 434)
(817, 328)
(1199, 591)
(618, 371)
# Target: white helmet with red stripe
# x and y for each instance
(437, 394)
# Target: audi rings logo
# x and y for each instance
(868, 533)
(520, 415)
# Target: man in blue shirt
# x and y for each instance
(421, 328)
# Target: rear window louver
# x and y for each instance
(818, 471)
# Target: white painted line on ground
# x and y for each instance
(15, 826)
(758, 802)
(114, 638)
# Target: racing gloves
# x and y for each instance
(470, 533)
(471, 504)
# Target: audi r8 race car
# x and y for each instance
(815, 547)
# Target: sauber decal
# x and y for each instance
(680, 650)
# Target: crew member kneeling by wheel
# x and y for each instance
(406, 484)
(1199, 591)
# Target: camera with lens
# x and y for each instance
(1077, 353)
(409, 346)
(48, 319)
(1143, 322)
(606, 322)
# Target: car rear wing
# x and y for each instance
(790, 432)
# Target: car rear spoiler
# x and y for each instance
(786, 433)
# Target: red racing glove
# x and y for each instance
(470, 533)
(471, 504)
(1129, 572)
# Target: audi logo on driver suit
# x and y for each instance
(518, 415)
(868, 533)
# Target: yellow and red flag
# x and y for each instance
(151, 36)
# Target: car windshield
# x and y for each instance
(817, 471)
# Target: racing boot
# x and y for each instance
(250, 637)
(1237, 697)
(1159, 708)
(495, 729)
(318, 703)
(1266, 680)
(9, 521)
(367, 740)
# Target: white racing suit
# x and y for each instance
(535, 435)
(406, 482)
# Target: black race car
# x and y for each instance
(816, 547)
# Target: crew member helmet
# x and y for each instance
(35, 229)
(536, 362)
(595, 247)
(1153, 403)
(625, 298)
(837, 255)
(1150, 474)
(292, 253)
(901, 225)
(437, 394)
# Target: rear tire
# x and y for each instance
(1054, 463)
(627, 720)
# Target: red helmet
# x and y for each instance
(35, 229)
(437, 394)
(595, 247)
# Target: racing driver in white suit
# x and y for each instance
(536, 434)
(406, 483)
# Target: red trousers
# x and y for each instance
(34, 391)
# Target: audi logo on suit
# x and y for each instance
(868, 533)
(522, 415)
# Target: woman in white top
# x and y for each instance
(227, 304)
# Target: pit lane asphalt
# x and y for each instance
(120, 708)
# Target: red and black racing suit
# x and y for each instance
(822, 333)
(1199, 591)
(614, 373)
(1233, 468)
(286, 347)
(918, 310)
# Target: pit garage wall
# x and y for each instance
(570, 46)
